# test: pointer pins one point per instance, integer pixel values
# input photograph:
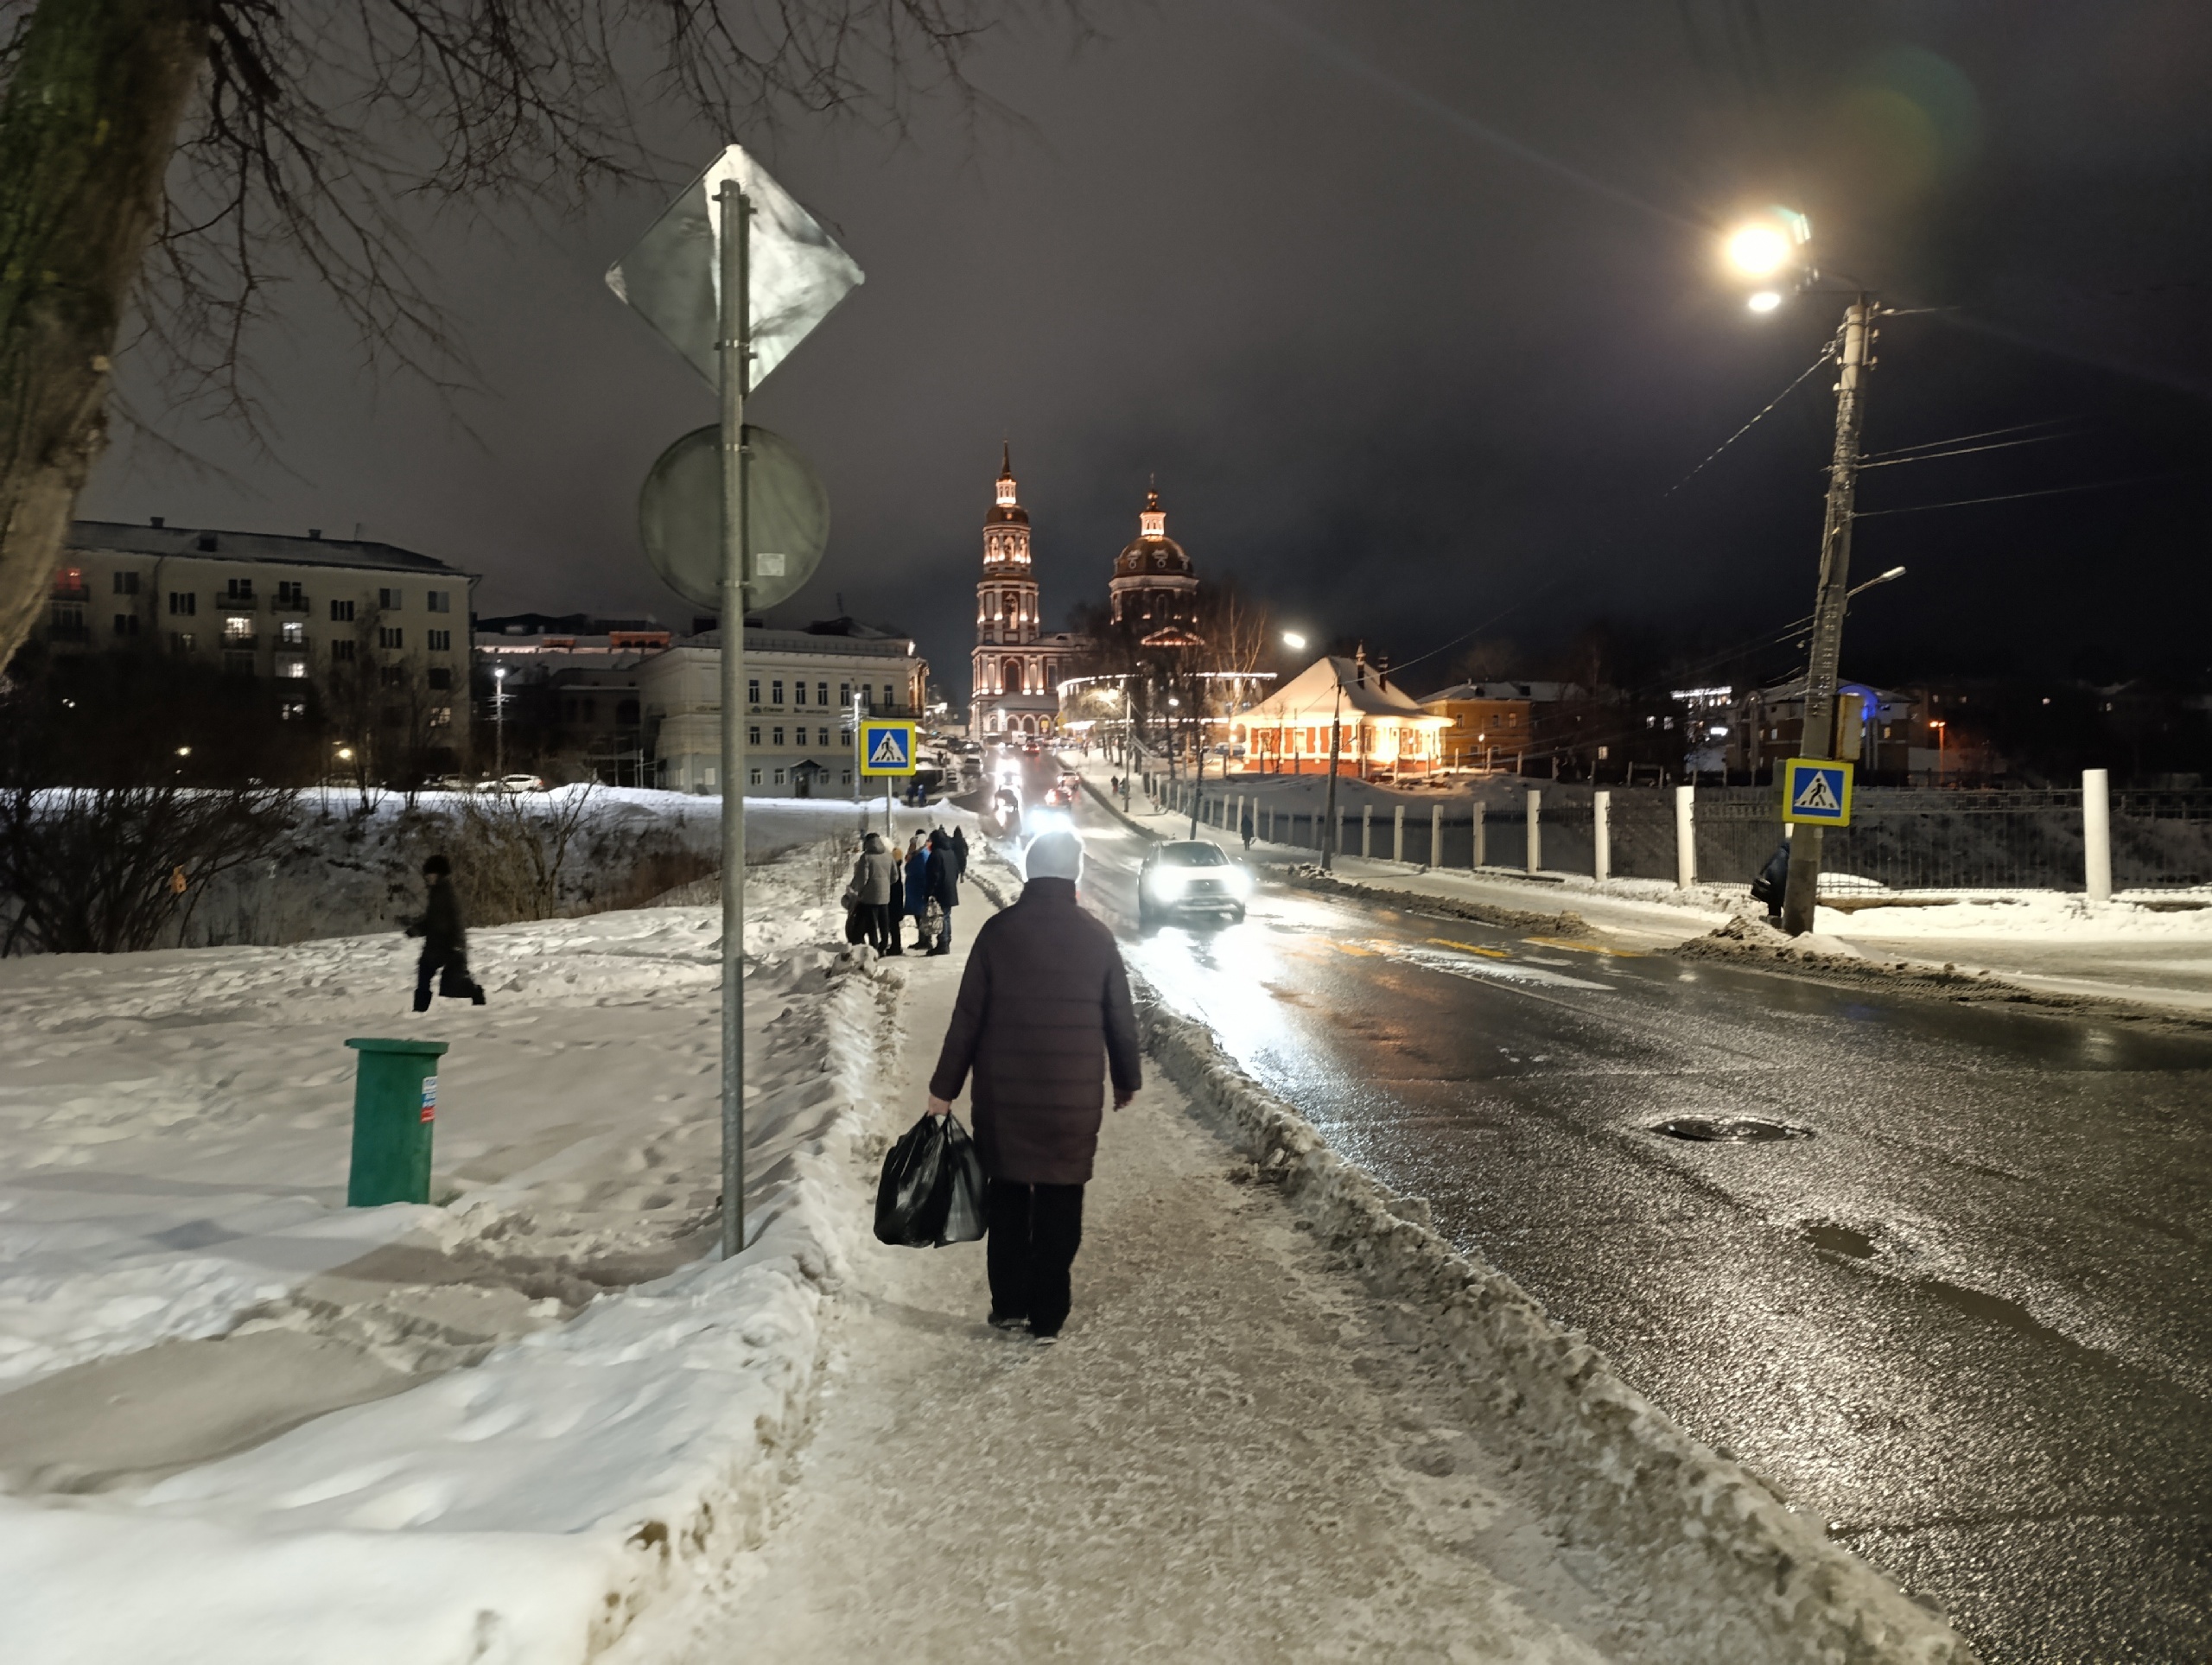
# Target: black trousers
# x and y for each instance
(1035, 1233)
(450, 968)
(882, 926)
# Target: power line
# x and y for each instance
(1960, 439)
(2010, 497)
(1826, 353)
(1966, 450)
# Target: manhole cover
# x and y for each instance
(1734, 1130)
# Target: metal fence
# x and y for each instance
(1901, 839)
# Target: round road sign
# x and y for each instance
(787, 515)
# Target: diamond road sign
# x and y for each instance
(887, 748)
(673, 277)
(1816, 791)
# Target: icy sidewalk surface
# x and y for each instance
(177, 1128)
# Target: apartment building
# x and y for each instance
(801, 687)
(367, 638)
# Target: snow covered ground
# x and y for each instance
(232, 1429)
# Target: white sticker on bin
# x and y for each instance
(430, 1097)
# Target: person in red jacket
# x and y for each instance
(1043, 1019)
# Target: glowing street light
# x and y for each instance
(1758, 250)
(1765, 300)
(1294, 641)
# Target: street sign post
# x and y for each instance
(735, 274)
(1816, 793)
(886, 753)
(886, 746)
(787, 517)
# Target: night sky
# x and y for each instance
(1414, 311)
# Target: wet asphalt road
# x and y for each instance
(1965, 1323)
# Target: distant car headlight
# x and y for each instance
(1167, 881)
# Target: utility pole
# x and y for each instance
(734, 349)
(1822, 669)
(1329, 816)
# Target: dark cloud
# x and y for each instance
(1413, 312)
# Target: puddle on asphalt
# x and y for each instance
(1993, 1309)
(1730, 1130)
(1838, 1239)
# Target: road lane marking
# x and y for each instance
(1469, 948)
(1582, 948)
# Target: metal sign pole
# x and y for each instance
(735, 347)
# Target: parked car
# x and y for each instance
(512, 783)
(1186, 876)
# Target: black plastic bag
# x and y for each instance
(932, 1193)
(1773, 881)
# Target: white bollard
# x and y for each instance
(1684, 836)
(1476, 853)
(1601, 835)
(1435, 834)
(1398, 834)
(2096, 833)
(1536, 832)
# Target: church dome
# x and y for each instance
(1153, 552)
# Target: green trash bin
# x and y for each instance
(395, 1106)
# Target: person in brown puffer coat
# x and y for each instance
(1043, 1019)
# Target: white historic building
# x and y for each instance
(1016, 668)
(801, 688)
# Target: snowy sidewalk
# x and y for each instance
(1226, 1458)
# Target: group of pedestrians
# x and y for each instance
(921, 883)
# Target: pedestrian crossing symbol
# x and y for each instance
(887, 748)
(1816, 791)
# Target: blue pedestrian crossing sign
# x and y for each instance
(887, 748)
(1817, 792)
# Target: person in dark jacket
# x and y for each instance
(1246, 824)
(895, 914)
(445, 940)
(1773, 881)
(960, 852)
(1042, 1022)
(918, 885)
(943, 885)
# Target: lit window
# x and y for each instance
(440, 716)
(290, 667)
(237, 628)
(292, 633)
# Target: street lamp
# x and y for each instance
(499, 722)
(1294, 641)
(1773, 245)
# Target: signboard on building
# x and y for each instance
(887, 748)
(1816, 791)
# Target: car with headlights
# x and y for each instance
(1187, 876)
